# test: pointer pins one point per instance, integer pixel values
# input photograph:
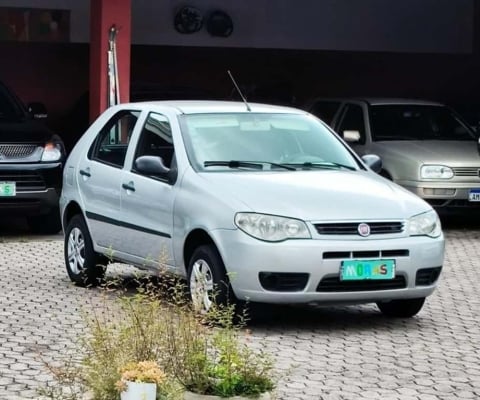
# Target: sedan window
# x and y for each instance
(111, 144)
(273, 141)
(156, 139)
(417, 122)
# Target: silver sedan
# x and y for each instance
(247, 202)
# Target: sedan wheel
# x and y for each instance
(84, 266)
(207, 279)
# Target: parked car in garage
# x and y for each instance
(31, 164)
(425, 146)
(257, 202)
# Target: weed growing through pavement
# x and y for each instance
(150, 319)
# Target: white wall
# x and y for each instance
(429, 26)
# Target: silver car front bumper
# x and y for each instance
(245, 258)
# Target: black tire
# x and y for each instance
(47, 224)
(208, 258)
(78, 246)
(401, 308)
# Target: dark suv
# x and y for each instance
(31, 164)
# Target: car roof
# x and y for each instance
(218, 106)
(382, 101)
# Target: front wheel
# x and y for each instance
(208, 282)
(401, 308)
(84, 266)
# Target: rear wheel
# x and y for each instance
(84, 266)
(208, 282)
(48, 223)
(401, 308)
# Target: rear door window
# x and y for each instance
(111, 144)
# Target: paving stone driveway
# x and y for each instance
(323, 353)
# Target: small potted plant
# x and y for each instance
(140, 380)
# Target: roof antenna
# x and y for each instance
(239, 91)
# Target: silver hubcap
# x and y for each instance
(76, 251)
(201, 286)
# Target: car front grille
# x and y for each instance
(351, 228)
(334, 284)
(14, 151)
(341, 255)
(466, 171)
(25, 180)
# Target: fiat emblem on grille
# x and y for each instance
(363, 229)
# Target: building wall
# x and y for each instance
(425, 26)
(341, 49)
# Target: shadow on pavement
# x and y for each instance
(12, 228)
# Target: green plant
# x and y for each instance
(211, 355)
(152, 324)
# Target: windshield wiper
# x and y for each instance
(234, 164)
(247, 164)
(328, 164)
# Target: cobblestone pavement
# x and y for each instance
(321, 353)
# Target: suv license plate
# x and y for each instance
(357, 270)
(7, 189)
(474, 195)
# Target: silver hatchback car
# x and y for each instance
(257, 202)
(425, 146)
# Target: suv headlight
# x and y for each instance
(52, 151)
(426, 224)
(270, 227)
(436, 172)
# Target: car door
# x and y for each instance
(351, 125)
(100, 178)
(147, 200)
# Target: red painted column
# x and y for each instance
(104, 14)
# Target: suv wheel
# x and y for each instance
(48, 223)
(84, 266)
(401, 308)
(207, 279)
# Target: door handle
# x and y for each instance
(128, 186)
(85, 172)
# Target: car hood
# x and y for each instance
(451, 152)
(24, 131)
(315, 195)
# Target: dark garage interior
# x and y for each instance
(57, 74)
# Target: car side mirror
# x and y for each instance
(373, 161)
(37, 110)
(154, 165)
(351, 136)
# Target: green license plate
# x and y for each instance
(7, 189)
(357, 270)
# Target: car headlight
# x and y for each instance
(436, 172)
(270, 227)
(52, 152)
(426, 224)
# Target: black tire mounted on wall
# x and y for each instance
(208, 259)
(78, 246)
(401, 308)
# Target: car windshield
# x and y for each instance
(262, 141)
(417, 122)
